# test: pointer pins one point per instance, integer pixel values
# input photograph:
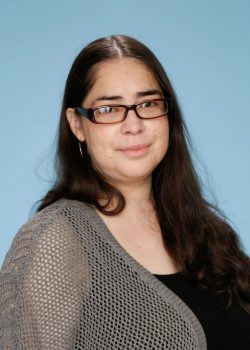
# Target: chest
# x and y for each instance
(143, 242)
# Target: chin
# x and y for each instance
(137, 173)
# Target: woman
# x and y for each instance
(124, 252)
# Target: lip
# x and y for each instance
(134, 147)
(135, 151)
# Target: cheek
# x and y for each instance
(162, 133)
(100, 151)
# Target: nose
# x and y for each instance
(132, 124)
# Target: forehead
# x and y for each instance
(123, 77)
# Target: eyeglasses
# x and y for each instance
(114, 113)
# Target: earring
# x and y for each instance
(80, 148)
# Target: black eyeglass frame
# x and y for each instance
(89, 113)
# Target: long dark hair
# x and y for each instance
(197, 235)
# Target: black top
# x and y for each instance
(224, 329)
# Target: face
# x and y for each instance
(119, 82)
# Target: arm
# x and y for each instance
(43, 285)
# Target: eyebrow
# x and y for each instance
(138, 94)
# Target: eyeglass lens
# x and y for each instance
(113, 114)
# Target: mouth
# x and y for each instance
(135, 150)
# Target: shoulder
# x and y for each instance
(47, 244)
(50, 230)
(61, 209)
(58, 212)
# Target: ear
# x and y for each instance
(75, 123)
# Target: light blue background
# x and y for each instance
(204, 47)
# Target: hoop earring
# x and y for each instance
(80, 148)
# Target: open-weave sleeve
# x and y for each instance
(43, 283)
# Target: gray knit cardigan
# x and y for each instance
(67, 283)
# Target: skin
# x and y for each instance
(123, 77)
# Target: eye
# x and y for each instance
(147, 104)
(106, 109)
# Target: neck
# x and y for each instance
(139, 197)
